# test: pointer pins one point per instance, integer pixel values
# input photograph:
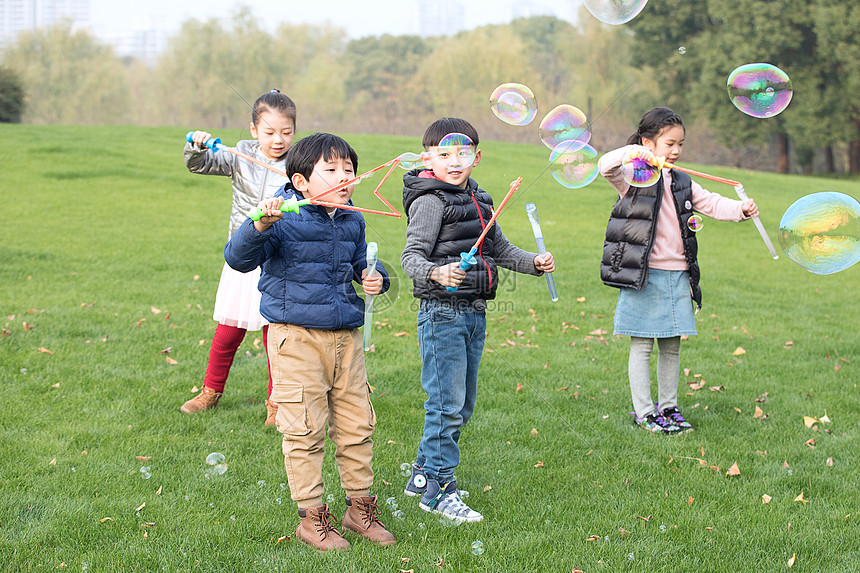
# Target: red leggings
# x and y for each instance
(225, 343)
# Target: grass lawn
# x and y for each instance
(110, 254)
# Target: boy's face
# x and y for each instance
(327, 174)
(275, 132)
(451, 164)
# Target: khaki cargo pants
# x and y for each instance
(319, 377)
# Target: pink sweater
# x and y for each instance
(668, 251)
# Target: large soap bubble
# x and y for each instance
(615, 12)
(514, 104)
(564, 123)
(759, 90)
(821, 232)
(637, 168)
(574, 167)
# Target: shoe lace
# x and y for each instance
(369, 511)
(325, 523)
(674, 415)
(454, 503)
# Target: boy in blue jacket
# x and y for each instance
(309, 261)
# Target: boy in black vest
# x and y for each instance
(446, 213)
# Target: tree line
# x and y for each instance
(212, 70)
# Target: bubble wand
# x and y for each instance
(372, 257)
(634, 163)
(467, 260)
(292, 204)
(531, 211)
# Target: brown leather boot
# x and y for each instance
(271, 412)
(361, 518)
(316, 528)
(206, 399)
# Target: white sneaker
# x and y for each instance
(446, 502)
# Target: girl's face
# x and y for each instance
(669, 143)
(275, 132)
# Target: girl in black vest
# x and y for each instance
(650, 254)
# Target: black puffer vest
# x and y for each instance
(465, 214)
(631, 231)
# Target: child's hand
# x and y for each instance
(271, 213)
(749, 208)
(201, 137)
(450, 275)
(545, 262)
(372, 284)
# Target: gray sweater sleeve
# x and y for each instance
(425, 220)
(512, 257)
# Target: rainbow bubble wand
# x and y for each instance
(637, 158)
(467, 260)
(292, 204)
(372, 258)
(531, 211)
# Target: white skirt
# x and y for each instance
(237, 302)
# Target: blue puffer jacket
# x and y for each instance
(309, 263)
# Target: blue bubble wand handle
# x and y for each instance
(739, 189)
(531, 211)
(372, 258)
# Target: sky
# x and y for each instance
(358, 17)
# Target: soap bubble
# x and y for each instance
(821, 232)
(477, 548)
(695, 223)
(409, 160)
(514, 104)
(615, 12)
(278, 501)
(630, 556)
(215, 458)
(145, 472)
(261, 483)
(391, 501)
(398, 513)
(456, 150)
(23, 370)
(573, 169)
(759, 90)
(564, 123)
(682, 50)
(329, 498)
(406, 469)
(637, 169)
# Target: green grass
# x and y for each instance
(99, 225)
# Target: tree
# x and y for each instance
(11, 96)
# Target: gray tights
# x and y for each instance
(668, 368)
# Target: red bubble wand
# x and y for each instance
(634, 162)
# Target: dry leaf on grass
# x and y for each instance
(758, 412)
(171, 360)
(809, 421)
(734, 470)
(45, 350)
(283, 538)
(739, 351)
(593, 538)
(791, 561)
(539, 464)
(155, 310)
(800, 498)
(143, 458)
(766, 498)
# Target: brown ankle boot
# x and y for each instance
(206, 399)
(271, 412)
(316, 528)
(361, 518)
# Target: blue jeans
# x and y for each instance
(450, 339)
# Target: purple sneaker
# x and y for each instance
(673, 415)
(655, 423)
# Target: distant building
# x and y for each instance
(440, 17)
(145, 45)
(18, 16)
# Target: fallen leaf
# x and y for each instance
(690, 500)
(401, 333)
(738, 351)
(45, 350)
(195, 389)
(386, 482)
(57, 385)
(171, 360)
(623, 531)
(284, 538)
(154, 310)
(766, 498)
(789, 342)
(562, 389)
(758, 412)
(158, 491)
(824, 419)
(649, 518)
(539, 464)
(810, 442)
(404, 560)
(534, 432)
(143, 458)
(809, 421)
(141, 506)
(717, 388)
(6, 333)
(791, 561)
(166, 350)
(519, 386)
(738, 410)
(104, 519)
(686, 371)
(581, 299)
(27, 326)
(593, 538)
(147, 524)
(829, 462)
(800, 498)
(53, 462)
(391, 442)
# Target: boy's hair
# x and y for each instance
(303, 155)
(442, 127)
(273, 101)
(652, 123)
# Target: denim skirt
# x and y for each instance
(663, 310)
